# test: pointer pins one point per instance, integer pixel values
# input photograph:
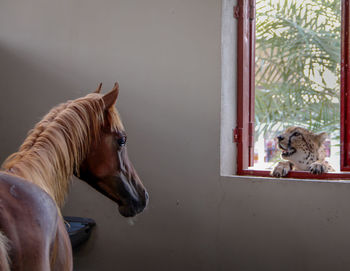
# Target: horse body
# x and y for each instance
(84, 137)
(30, 221)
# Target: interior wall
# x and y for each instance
(166, 56)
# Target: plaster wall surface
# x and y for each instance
(166, 56)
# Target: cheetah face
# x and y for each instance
(289, 142)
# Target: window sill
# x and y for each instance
(336, 177)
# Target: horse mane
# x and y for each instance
(58, 144)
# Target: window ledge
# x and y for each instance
(257, 178)
(295, 176)
(288, 178)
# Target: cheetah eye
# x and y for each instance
(296, 134)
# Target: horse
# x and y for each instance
(83, 137)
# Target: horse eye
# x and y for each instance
(122, 141)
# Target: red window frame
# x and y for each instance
(244, 12)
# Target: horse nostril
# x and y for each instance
(280, 138)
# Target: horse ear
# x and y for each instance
(110, 98)
(98, 90)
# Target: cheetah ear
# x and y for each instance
(321, 137)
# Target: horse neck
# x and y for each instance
(58, 144)
(48, 155)
(44, 174)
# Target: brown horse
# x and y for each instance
(84, 137)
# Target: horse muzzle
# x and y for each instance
(132, 207)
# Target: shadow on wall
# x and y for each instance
(29, 87)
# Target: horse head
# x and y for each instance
(107, 167)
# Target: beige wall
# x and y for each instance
(166, 56)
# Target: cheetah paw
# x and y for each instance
(318, 168)
(280, 170)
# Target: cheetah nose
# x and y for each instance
(280, 138)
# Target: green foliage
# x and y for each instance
(297, 65)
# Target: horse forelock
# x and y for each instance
(57, 145)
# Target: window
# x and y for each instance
(247, 78)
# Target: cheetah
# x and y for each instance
(302, 150)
